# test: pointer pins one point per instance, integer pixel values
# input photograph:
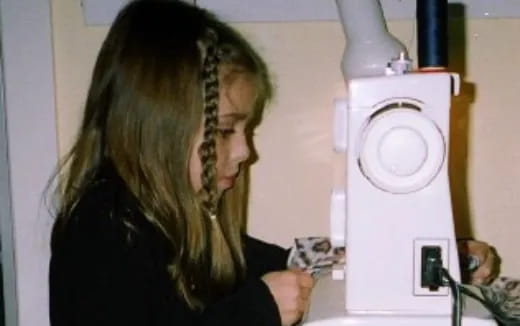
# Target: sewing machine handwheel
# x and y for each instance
(402, 150)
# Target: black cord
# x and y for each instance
(456, 315)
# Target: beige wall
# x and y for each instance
(292, 180)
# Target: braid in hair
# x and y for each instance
(220, 271)
(207, 150)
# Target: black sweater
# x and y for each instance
(105, 273)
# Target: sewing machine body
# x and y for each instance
(396, 202)
(397, 191)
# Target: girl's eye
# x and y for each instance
(226, 132)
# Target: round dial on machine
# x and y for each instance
(401, 149)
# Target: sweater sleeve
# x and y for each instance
(262, 257)
(253, 303)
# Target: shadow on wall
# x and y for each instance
(460, 121)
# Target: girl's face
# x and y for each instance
(236, 100)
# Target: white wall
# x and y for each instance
(32, 151)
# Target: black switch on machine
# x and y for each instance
(431, 267)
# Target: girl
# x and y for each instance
(149, 229)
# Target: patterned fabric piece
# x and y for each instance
(315, 255)
(503, 297)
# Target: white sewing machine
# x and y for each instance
(394, 212)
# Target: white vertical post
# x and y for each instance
(27, 60)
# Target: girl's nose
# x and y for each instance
(241, 150)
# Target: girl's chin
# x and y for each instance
(222, 185)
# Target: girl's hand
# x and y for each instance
(489, 261)
(291, 291)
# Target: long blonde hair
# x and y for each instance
(156, 77)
